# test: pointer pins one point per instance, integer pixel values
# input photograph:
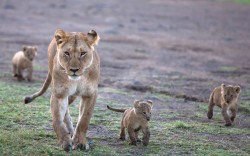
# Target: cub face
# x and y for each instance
(143, 108)
(75, 51)
(229, 93)
(30, 52)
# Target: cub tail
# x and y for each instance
(115, 109)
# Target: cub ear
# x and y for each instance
(59, 36)
(24, 48)
(35, 48)
(137, 103)
(150, 102)
(93, 37)
(237, 89)
(223, 86)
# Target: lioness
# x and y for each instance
(135, 119)
(226, 97)
(23, 60)
(74, 69)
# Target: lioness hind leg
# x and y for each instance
(85, 113)
(68, 123)
(58, 110)
(71, 99)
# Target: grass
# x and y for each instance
(241, 1)
(27, 129)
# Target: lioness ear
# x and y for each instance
(93, 37)
(237, 89)
(150, 102)
(137, 103)
(59, 36)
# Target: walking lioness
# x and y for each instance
(135, 119)
(74, 69)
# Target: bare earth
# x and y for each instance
(181, 48)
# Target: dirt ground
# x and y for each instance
(181, 48)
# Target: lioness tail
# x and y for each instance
(45, 86)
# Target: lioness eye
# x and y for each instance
(83, 53)
(66, 53)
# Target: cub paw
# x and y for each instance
(209, 115)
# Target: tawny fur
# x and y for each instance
(24, 60)
(135, 119)
(225, 97)
(73, 72)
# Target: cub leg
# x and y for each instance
(225, 115)
(29, 76)
(210, 109)
(122, 132)
(132, 137)
(86, 109)
(234, 112)
(68, 123)
(136, 136)
(146, 136)
(19, 75)
(58, 110)
(14, 70)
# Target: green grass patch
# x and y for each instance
(27, 129)
(241, 1)
(226, 69)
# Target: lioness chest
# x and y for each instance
(79, 87)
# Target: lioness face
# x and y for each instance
(75, 52)
(230, 93)
(30, 52)
(144, 108)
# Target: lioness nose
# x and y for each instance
(74, 69)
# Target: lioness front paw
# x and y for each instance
(228, 124)
(81, 146)
(132, 143)
(138, 140)
(67, 146)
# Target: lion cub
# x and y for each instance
(23, 60)
(135, 119)
(226, 97)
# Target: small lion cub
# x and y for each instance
(135, 119)
(226, 97)
(23, 60)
